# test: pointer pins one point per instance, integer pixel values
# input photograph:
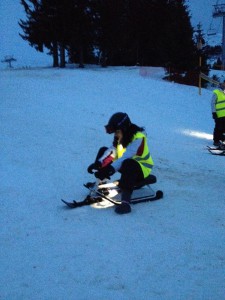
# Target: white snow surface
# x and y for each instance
(52, 124)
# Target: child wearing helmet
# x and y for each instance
(129, 155)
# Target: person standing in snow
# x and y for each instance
(129, 155)
(218, 113)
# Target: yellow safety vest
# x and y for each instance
(220, 103)
(145, 160)
(119, 151)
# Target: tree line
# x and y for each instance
(114, 32)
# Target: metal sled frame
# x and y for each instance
(112, 190)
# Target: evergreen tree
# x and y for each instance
(141, 33)
(109, 26)
(41, 27)
(125, 32)
(81, 31)
(181, 50)
(58, 26)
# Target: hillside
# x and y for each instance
(52, 124)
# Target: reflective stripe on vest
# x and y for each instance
(145, 160)
(220, 103)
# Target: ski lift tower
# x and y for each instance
(219, 11)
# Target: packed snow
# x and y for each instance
(52, 124)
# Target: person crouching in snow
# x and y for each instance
(129, 155)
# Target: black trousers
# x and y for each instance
(219, 130)
(131, 172)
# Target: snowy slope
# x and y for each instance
(52, 124)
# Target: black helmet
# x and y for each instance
(118, 121)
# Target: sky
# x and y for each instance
(202, 11)
(11, 11)
(12, 44)
(52, 125)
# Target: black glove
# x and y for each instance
(214, 115)
(95, 166)
(105, 172)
